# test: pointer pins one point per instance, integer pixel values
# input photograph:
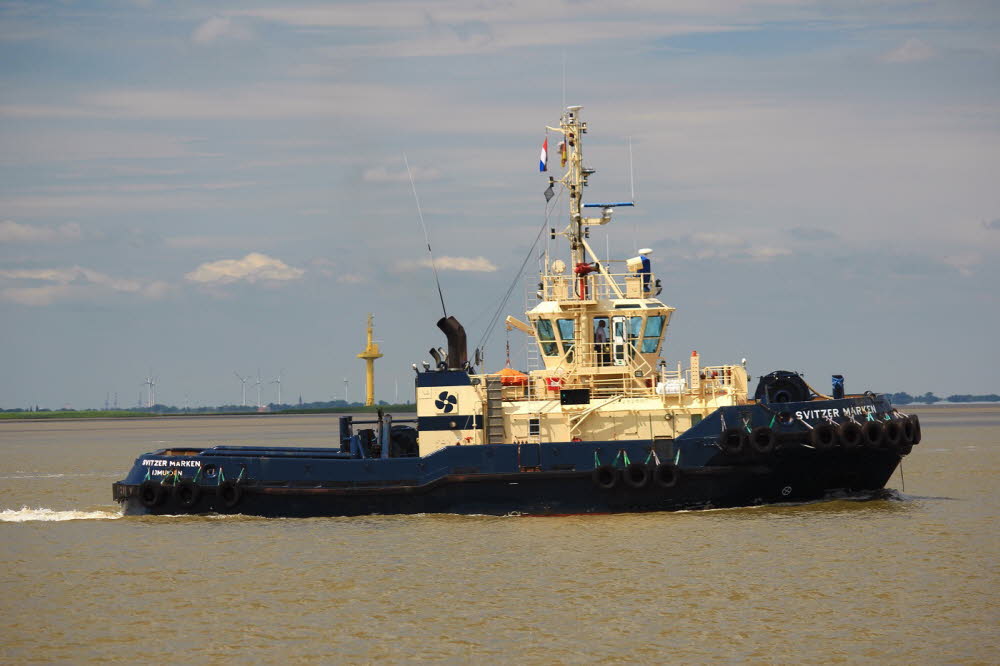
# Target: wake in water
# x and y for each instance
(26, 514)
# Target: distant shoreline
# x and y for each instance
(61, 415)
(90, 414)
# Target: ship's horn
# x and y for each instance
(458, 352)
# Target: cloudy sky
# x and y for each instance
(193, 189)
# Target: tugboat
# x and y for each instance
(604, 425)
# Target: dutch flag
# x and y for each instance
(543, 159)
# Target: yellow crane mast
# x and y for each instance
(369, 355)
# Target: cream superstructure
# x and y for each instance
(599, 327)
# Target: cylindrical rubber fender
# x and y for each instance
(187, 493)
(636, 475)
(893, 434)
(230, 494)
(851, 436)
(763, 440)
(605, 477)
(733, 441)
(908, 431)
(916, 428)
(823, 436)
(151, 493)
(874, 434)
(666, 475)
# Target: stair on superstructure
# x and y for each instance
(494, 410)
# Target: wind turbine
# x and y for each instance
(257, 384)
(243, 381)
(278, 382)
(150, 383)
(345, 389)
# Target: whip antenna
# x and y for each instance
(423, 226)
(631, 171)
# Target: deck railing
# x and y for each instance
(597, 286)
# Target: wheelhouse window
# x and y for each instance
(651, 336)
(546, 337)
(565, 327)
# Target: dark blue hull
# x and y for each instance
(793, 478)
(737, 456)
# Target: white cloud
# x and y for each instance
(76, 283)
(158, 289)
(912, 50)
(466, 264)
(38, 296)
(12, 232)
(255, 267)
(220, 28)
(729, 246)
(69, 275)
(964, 262)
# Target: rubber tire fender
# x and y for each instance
(850, 434)
(909, 430)
(916, 429)
(187, 493)
(151, 493)
(605, 477)
(874, 434)
(763, 440)
(666, 475)
(733, 441)
(636, 475)
(893, 434)
(823, 437)
(230, 494)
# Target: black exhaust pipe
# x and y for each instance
(458, 351)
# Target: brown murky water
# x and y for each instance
(913, 578)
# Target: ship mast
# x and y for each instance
(370, 353)
(575, 179)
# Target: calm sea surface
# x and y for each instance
(911, 578)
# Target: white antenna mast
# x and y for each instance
(564, 80)
(243, 380)
(423, 226)
(631, 172)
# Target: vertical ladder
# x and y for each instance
(494, 410)
(532, 357)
